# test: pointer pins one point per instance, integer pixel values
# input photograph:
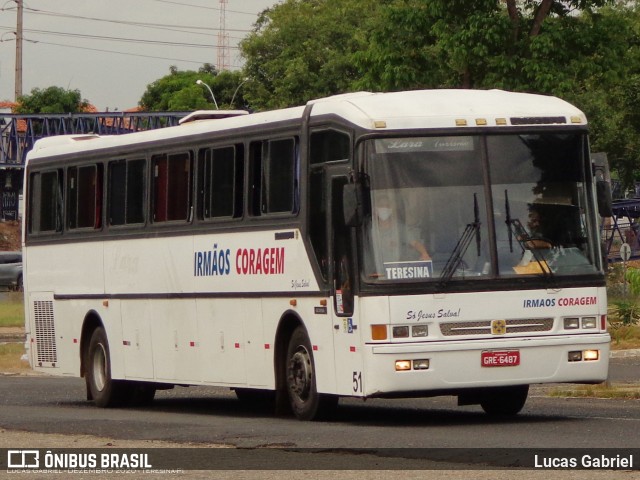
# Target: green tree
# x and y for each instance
(608, 88)
(179, 91)
(302, 49)
(472, 44)
(52, 100)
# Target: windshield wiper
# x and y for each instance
(463, 244)
(523, 238)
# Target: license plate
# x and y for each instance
(505, 358)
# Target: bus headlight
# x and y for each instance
(419, 330)
(401, 332)
(571, 323)
(422, 364)
(591, 355)
(589, 322)
(586, 355)
(575, 356)
(403, 365)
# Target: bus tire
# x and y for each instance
(104, 391)
(306, 402)
(505, 401)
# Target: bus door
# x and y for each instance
(347, 334)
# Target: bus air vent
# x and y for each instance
(483, 327)
(45, 333)
(211, 115)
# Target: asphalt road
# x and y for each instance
(625, 369)
(197, 415)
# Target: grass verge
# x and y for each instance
(602, 390)
(10, 358)
(12, 311)
(625, 337)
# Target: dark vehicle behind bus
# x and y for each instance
(11, 270)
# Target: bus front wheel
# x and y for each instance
(505, 401)
(104, 391)
(306, 402)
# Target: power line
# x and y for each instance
(121, 53)
(116, 39)
(119, 39)
(162, 26)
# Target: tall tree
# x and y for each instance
(301, 49)
(52, 100)
(469, 43)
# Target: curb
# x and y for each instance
(13, 338)
(625, 353)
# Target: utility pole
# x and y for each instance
(19, 51)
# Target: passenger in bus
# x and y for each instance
(393, 240)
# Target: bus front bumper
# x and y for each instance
(451, 366)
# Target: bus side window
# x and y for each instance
(280, 176)
(328, 146)
(220, 174)
(171, 187)
(255, 177)
(84, 197)
(45, 198)
(125, 195)
(273, 176)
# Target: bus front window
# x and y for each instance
(427, 198)
(428, 218)
(543, 222)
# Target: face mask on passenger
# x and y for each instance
(383, 213)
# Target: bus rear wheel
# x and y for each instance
(306, 402)
(505, 401)
(104, 391)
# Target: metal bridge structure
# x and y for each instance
(18, 133)
(623, 227)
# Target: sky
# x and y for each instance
(111, 50)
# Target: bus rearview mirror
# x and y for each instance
(603, 194)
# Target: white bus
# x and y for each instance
(365, 245)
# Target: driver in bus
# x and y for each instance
(537, 239)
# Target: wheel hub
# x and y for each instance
(299, 374)
(100, 367)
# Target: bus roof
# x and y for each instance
(375, 111)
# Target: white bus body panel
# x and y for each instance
(173, 314)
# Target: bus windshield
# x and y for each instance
(430, 202)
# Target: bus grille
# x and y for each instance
(483, 327)
(45, 333)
